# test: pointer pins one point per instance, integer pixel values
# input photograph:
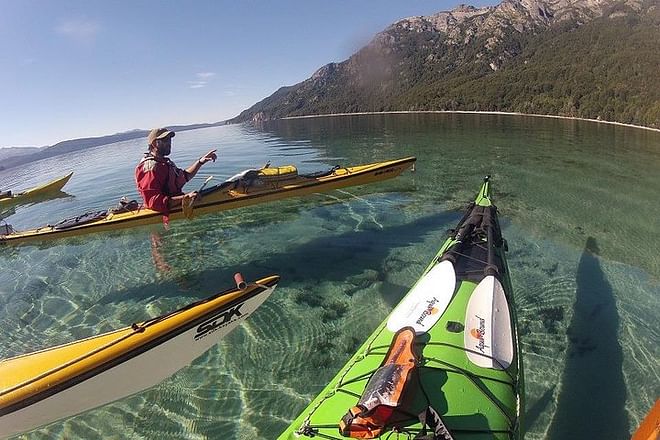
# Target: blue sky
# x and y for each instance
(71, 69)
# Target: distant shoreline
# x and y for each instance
(600, 121)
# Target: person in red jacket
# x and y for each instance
(158, 180)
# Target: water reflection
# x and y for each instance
(33, 200)
(6, 212)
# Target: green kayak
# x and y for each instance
(446, 362)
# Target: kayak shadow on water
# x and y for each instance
(591, 401)
(337, 258)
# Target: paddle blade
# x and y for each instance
(423, 306)
(208, 179)
(488, 326)
(187, 206)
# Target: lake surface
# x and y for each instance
(579, 205)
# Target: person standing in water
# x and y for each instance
(159, 181)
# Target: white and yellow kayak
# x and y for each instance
(58, 382)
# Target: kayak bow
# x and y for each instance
(48, 385)
(38, 191)
(228, 195)
(462, 376)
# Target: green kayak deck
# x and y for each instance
(470, 370)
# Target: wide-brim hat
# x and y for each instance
(159, 133)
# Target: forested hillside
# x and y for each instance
(591, 59)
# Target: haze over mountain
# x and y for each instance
(11, 157)
(16, 151)
(582, 58)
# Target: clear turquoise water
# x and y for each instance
(587, 320)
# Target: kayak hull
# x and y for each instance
(39, 191)
(222, 198)
(471, 369)
(62, 381)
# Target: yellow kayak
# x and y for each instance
(38, 191)
(48, 385)
(249, 188)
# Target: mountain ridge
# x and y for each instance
(496, 58)
(67, 146)
(589, 59)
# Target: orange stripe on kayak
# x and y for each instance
(650, 427)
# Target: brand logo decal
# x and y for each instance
(478, 334)
(218, 321)
(430, 310)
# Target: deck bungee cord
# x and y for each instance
(466, 379)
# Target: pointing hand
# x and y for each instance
(210, 156)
